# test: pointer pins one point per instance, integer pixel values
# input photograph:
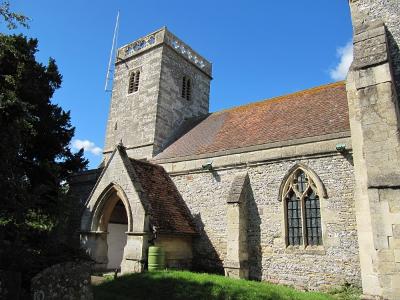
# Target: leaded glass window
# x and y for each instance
(303, 215)
(295, 236)
(313, 219)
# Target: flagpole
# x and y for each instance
(112, 51)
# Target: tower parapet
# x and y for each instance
(163, 36)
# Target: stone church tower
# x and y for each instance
(159, 82)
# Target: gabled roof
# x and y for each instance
(315, 112)
(166, 207)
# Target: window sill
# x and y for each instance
(309, 250)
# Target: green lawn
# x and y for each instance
(173, 285)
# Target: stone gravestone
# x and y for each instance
(69, 280)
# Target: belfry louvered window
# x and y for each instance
(134, 80)
(186, 91)
(303, 214)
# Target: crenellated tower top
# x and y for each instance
(164, 37)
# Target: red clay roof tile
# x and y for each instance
(167, 208)
(314, 112)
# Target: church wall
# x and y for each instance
(172, 108)
(367, 11)
(374, 121)
(132, 117)
(177, 249)
(205, 194)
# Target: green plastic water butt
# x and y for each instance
(156, 258)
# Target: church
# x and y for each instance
(302, 189)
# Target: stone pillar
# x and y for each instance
(374, 122)
(95, 244)
(135, 253)
(236, 260)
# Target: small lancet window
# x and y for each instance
(303, 215)
(134, 82)
(186, 91)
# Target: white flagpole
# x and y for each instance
(112, 51)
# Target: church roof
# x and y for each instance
(310, 113)
(166, 207)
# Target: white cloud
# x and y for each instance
(87, 146)
(346, 58)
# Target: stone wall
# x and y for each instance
(132, 117)
(178, 250)
(69, 280)
(146, 120)
(374, 121)
(365, 12)
(172, 109)
(335, 263)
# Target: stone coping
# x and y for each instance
(160, 37)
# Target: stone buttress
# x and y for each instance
(374, 122)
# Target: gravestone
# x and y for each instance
(69, 280)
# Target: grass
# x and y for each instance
(174, 285)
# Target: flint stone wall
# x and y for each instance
(69, 280)
(333, 264)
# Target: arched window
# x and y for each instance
(186, 91)
(134, 82)
(302, 209)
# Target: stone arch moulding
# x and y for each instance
(299, 166)
(104, 206)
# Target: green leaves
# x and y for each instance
(12, 19)
(35, 156)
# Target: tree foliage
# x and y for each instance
(35, 156)
(12, 18)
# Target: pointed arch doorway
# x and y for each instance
(112, 219)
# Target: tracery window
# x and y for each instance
(186, 91)
(134, 79)
(302, 210)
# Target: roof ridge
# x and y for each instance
(277, 98)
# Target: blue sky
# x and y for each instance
(259, 49)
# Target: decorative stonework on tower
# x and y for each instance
(146, 110)
(374, 122)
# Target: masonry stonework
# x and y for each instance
(334, 264)
(365, 12)
(213, 182)
(374, 120)
(145, 121)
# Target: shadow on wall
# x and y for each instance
(205, 257)
(253, 235)
(395, 59)
(216, 176)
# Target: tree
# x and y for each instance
(12, 18)
(35, 158)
